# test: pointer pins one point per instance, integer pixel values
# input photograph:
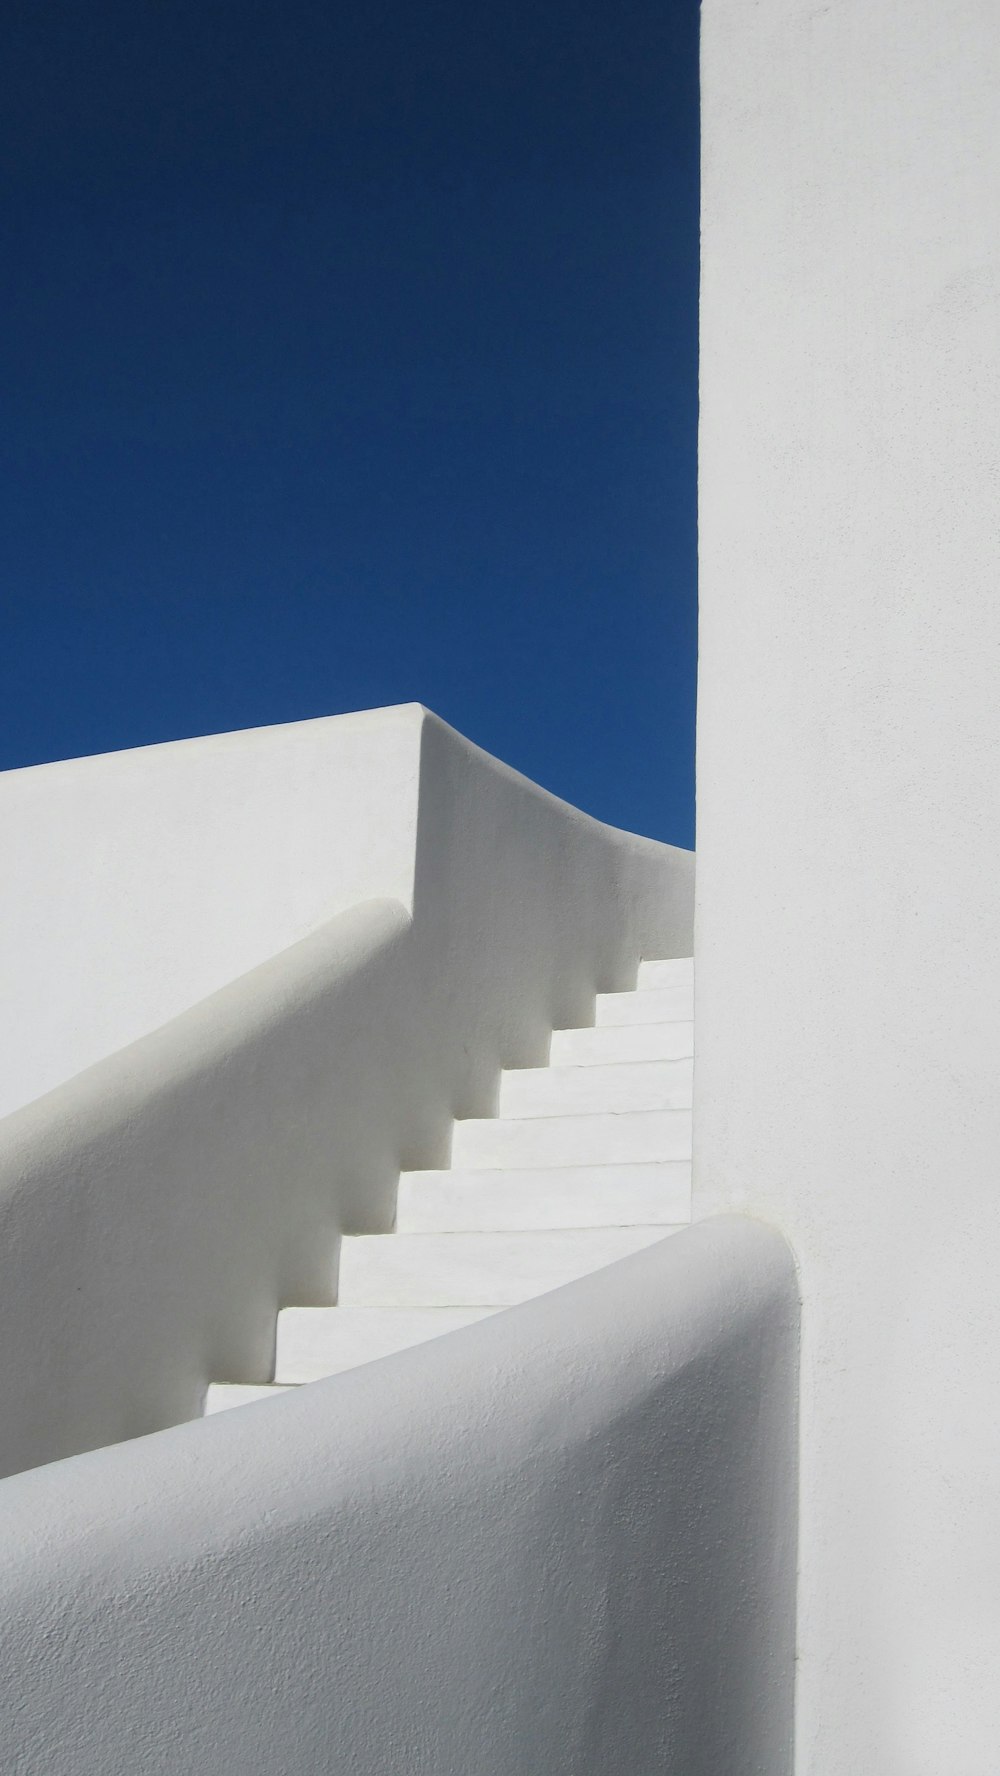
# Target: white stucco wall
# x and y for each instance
(847, 935)
(135, 883)
(561, 1541)
(157, 1209)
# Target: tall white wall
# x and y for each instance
(135, 883)
(848, 927)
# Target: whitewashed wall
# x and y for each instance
(158, 1208)
(561, 1541)
(135, 883)
(848, 934)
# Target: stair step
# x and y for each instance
(553, 1197)
(678, 972)
(617, 1043)
(476, 1269)
(587, 1091)
(654, 1005)
(318, 1341)
(493, 1143)
(222, 1395)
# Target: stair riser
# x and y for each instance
(631, 1139)
(314, 1342)
(677, 973)
(582, 1091)
(491, 1270)
(656, 1005)
(618, 1044)
(562, 1196)
(587, 1161)
(223, 1397)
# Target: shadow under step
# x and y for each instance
(614, 1044)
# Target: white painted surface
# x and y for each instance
(658, 1005)
(477, 1269)
(573, 1140)
(676, 971)
(134, 884)
(848, 941)
(627, 1042)
(557, 1196)
(567, 1091)
(164, 1204)
(493, 1238)
(224, 1399)
(484, 1240)
(314, 1342)
(561, 1540)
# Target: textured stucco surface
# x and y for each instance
(847, 936)
(561, 1541)
(159, 1208)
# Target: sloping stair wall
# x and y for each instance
(587, 1160)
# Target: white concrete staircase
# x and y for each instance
(588, 1159)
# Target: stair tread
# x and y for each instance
(652, 1005)
(317, 1341)
(533, 1198)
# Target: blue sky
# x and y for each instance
(349, 358)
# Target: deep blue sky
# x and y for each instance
(349, 357)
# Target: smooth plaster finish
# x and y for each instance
(848, 939)
(674, 971)
(629, 1042)
(566, 1091)
(478, 1269)
(313, 1342)
(134, 884)
(561, 1540)
(160, 1207)
(657, 1005)
(557, 1196)
(598, 1139)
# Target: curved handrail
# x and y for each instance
(158, 1209)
